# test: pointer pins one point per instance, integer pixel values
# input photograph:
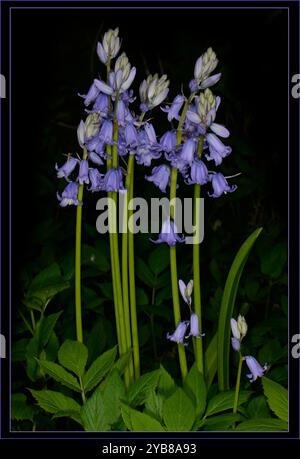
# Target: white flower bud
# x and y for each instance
(92, 125)
(242, 326)
(154, 90)
(111, 43)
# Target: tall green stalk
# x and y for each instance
(78, 307)
(238, 383)
(196, 269)
(173, 259)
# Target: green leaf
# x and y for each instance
(141, 297)
(159, 259)
(113, 393)
(277, 397)
(96, 257)
(194, 386)
(144, 273)
(258, 408)
(45, 286)
(47, 326)
(166, 384)
(227, 305)
(73, 356)
(54, 402)
(20, 411)
(154, 405)
(107, 290)
(18, 351)
(99, 368)
(75, 415)
(178, 412)
(60, 374)
(262, 425)
(139, 422)
(224, 401)
(211, 360)
(122, 362)
(274, 260)
(93, 413)
(139, 391)
(222, 422)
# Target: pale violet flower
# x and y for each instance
(194, 327)
(256, 369)
(186, 291)
(179, 334)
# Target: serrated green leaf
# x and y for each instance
(99, 368)
(54, 402)
(178, 412)
(75, 415)
(140, 422)
(222, 422)
(139, 391)
(93, 413)
(113, 393)
(20, 410)
(194, 386)
(159, 259)
(263, 425)
(122, 362)
(166, 384)
(277, 397)
(258, 408)
(224, 401)
(60, 374)
(154, 405)
(73, 356)
(47, 326)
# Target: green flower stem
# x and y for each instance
(127, 310)
(173, 260)
(128, 260)
(174, 280)
(238, 383)
(78, 307)
(198, 347)
(123, 310)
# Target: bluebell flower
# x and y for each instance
(96, 180)
(113, 180)
(66, 169)
(179, 334)
(236, 344)
(101, 105)
(220, 185)
(188, 151)
(204, 66)
(239, 330)
(168, 141)
(160, 177)
(83, 176)
(69, 196)
(95, 158)
(106, 132)
(198, 173)
(169, 234)
(120, 79)
(186, 291)
(256, 370)
(175, 107)
(121, 112)
(147, 149)
(177, 162)
(131, 135)
(217, 149)
(91, 95)
(194, 327)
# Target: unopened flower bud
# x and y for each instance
(110, 46)
(242, 326)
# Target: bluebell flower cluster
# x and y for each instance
(112, 124)
(179, 335)
(239, 330)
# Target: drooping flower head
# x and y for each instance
(256, 370)
(194, 327)
(113, 180)
(66, 169)
(169, 234)
(179, 334)
(220, 185)
(69, 195)
(174, 109)
(160, 177)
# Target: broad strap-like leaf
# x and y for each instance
(227, 306)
